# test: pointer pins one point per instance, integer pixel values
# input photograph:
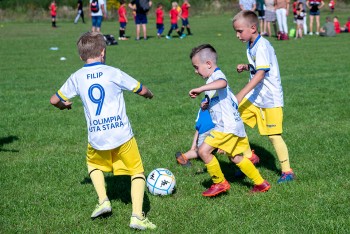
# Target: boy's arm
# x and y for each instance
(145, 92)
(217, 84)
(195, 139)
(259, 75)
(55, 101)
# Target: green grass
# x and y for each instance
(45, 187)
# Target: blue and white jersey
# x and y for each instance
(268, 92)
(223, 107)
(100, 88)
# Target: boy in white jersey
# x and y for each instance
(112, 146)
(261, 100)
(228, 134)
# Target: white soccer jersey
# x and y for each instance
(223, 108)
(100, 88)
(268, 93)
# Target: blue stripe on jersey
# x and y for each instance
(93, 64)
(138, 88)
(256, 40)
(61, 96)
(217, 69)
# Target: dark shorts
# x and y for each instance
(160, 26)
(185, 22)
(96, 21)
(261, 14)
(122, 24)
(313, 13)
(174, 26)
(141, 19)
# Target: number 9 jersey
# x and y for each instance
(100, 88)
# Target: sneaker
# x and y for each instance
(182, 160)
(254, 159)
(141, 224)
(216, 189)
(101, 209)
(286, 176)
(182, 36)
(168, 37)
(317, 33)
(264, 187)
(310, 33)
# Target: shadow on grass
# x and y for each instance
(118, 188)
(8, 140)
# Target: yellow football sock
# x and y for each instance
(248, 153)
(214, 171)
(98, 180)
(281, 151)
(138, 183)
(248, 168)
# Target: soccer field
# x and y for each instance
(45, 186)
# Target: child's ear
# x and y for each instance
(209, 64)
(254, 28)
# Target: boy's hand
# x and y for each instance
(242, 67)
(194, 92)
(204, 105)
(149, 94)
(64, 105)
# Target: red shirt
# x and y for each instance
(53, 9)
(174, 14)
(348, 26)
(159, 16)
(122, 14)
(337, 27)
(184, 9)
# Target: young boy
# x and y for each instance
(159, 20)
(112, 146)
(204, 125)
(174, 17)
(184, 17)
(123, 20)
(261, 100)
(228, 134)
(53, 12)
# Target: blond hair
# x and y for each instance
(250, 18)
(90, 45)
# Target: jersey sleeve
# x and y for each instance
(262, 59)
(126, 82)
(68, 90)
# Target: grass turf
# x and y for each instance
(44, 182)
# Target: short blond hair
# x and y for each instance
(90, 45)
(249, 17)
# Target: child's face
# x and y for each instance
(201, 68)
(243, 32)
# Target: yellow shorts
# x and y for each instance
(228, 142)
(269, 120)
(124, 160)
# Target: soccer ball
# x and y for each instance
(161, 181)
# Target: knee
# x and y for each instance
(274, 138)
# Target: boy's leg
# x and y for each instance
(138, 183)
(248, 168)
(213, 167)
(98, 180)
